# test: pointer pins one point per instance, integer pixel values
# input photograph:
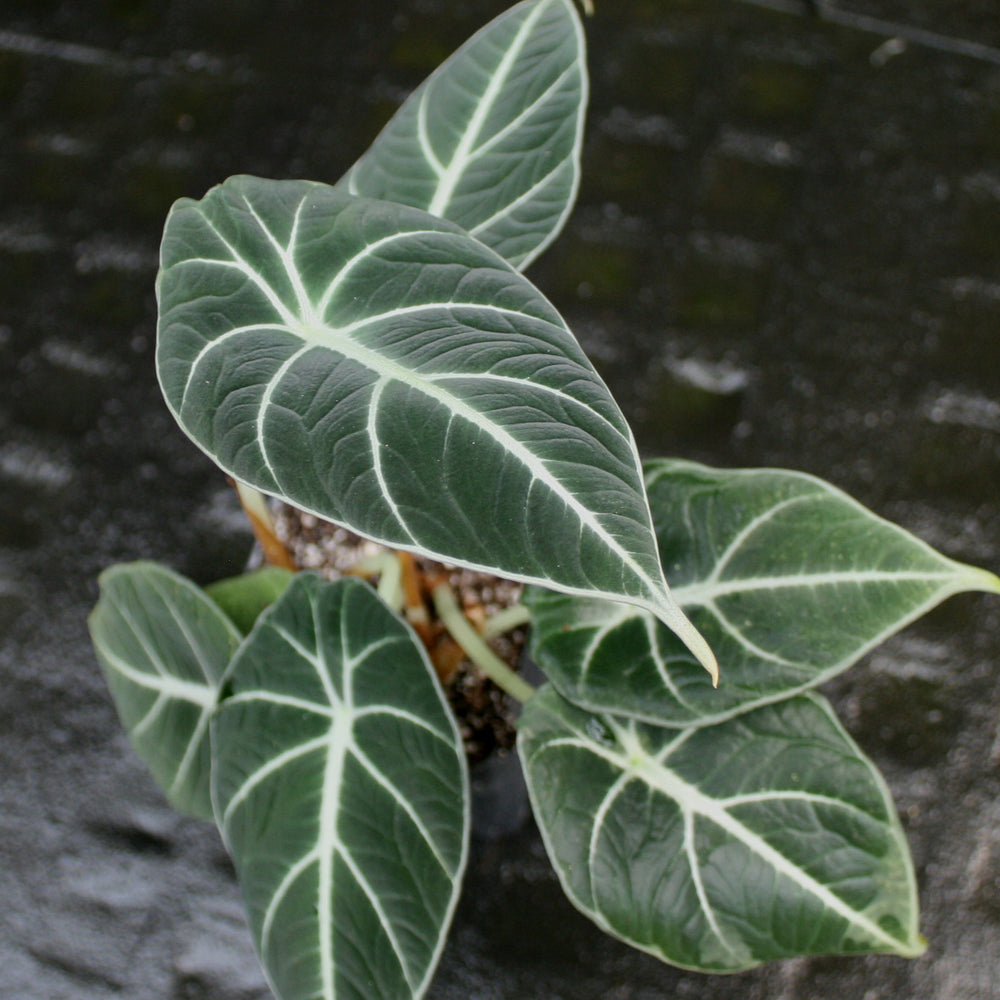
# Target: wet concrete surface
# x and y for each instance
(786, 252)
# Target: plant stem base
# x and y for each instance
(484, 712)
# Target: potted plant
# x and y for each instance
(371, 354)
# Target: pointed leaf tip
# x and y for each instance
(985, 580)
(382, 369)
(667, 846)
(492, 139)
(680, 624)
(781, 612)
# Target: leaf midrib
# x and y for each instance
(706, 593)
(328, 839)
(337, 743)
(635, 763)
(448, 181)
(308, 329)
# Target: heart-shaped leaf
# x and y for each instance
(492, 139)
(379, 367)
(164, 645)
(721, 847)
(341, 790)
(788, 578)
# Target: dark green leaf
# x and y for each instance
(789, 579)
(381, 368)
(492, 139)
(164, 645)
(720, 847)
(341, 791)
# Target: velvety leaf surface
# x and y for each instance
(341, 791)
(244, 597)
(492, 139)
(788, 578)
(164, 645)
(381, 368)
(721, 847)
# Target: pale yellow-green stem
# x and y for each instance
(475, 646)
(516, 616)
(384, 565)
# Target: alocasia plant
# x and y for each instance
(370, 352)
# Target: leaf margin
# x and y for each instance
(962, 578)
(655, 594)
(604, 728)
(161, 579)
(417, 100)
(349, 587)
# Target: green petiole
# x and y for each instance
(475, 645)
